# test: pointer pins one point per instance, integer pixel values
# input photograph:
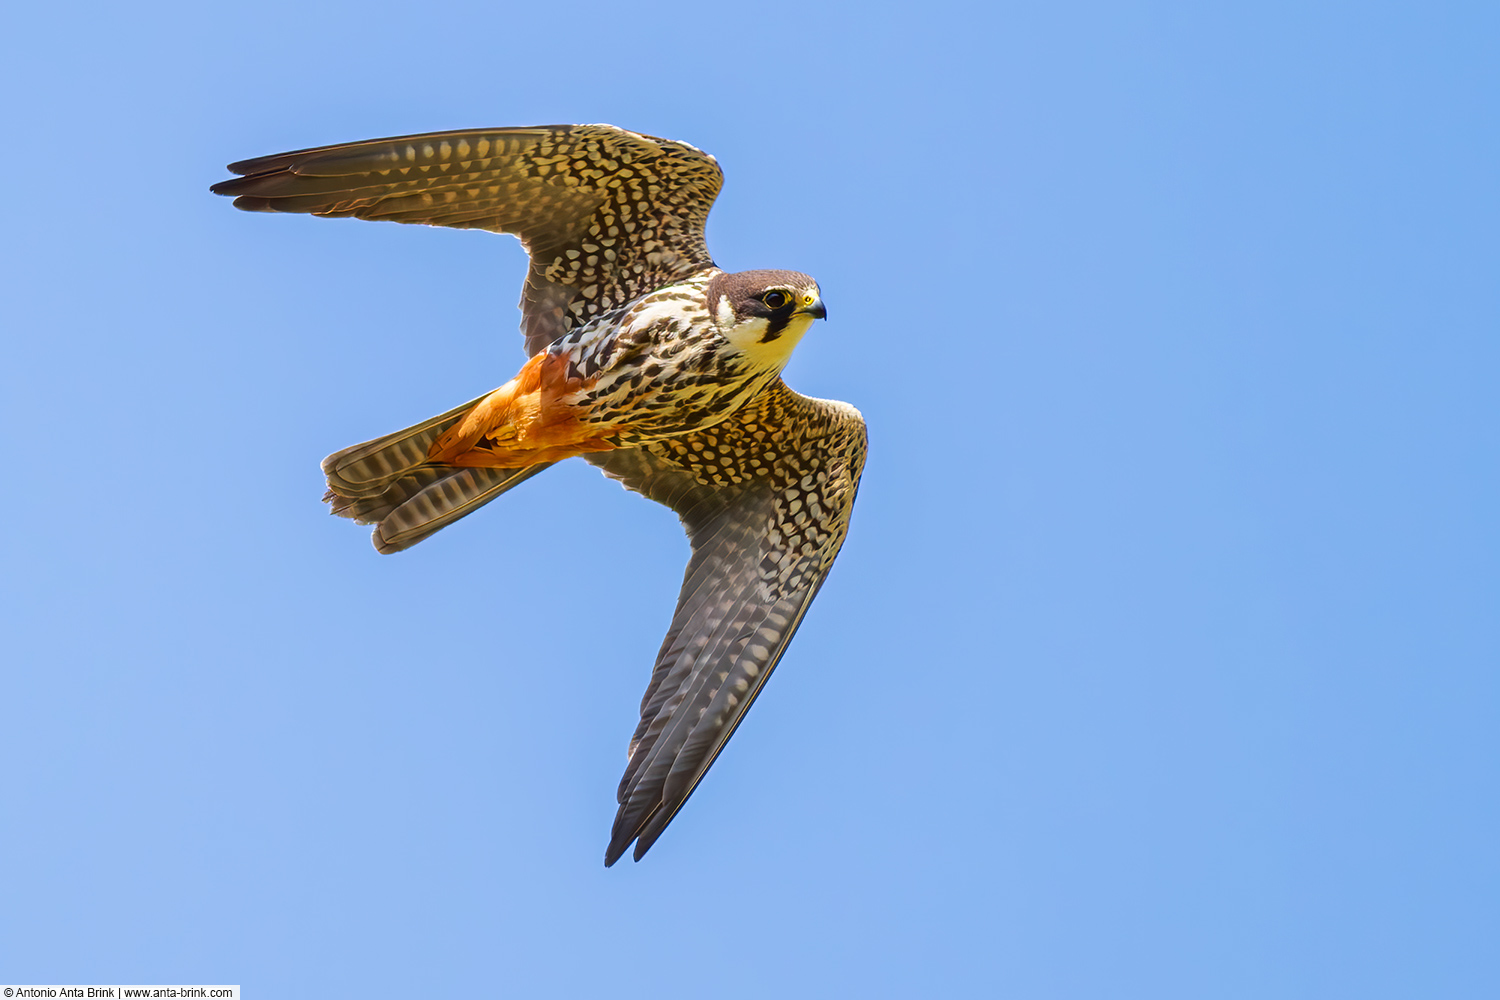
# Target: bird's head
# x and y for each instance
(765, 313)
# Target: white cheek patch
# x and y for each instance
(746, 334)
(747, 337)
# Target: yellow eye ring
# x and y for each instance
(776, 299)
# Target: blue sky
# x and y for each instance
(1160, 662)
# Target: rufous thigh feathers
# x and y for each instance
(525, 421)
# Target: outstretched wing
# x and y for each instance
(606, 215)
(765, 497)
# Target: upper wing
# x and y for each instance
(607, 215)
(765, 497)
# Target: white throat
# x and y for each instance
(748, 337)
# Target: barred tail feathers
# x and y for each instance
(368, 469)
(388, 482)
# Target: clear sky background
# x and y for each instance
(1161, 661)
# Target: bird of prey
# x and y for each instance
(645, 359)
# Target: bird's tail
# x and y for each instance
(388, 482)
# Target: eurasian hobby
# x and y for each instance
(645, 359)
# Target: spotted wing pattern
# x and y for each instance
(765, 498)
(606, 214)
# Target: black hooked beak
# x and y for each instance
(817, 310)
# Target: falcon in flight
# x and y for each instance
(646, 360)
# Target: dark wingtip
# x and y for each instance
(244, 202)
(648, 837)
(620, 843)
(233, 184)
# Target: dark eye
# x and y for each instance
(776, 299)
